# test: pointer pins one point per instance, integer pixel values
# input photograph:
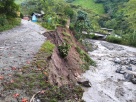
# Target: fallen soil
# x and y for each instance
(28, 73)
(110, 80)
(64, 70)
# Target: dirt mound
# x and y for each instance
(64, 70)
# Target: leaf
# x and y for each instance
(11, 81)
(1, 77)
(24, 100)
(13, 68)
(45, 73)
(42, 92)
(16, 95)
(28, 62)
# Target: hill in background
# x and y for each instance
(90, 4)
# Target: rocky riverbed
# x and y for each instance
(114, 78)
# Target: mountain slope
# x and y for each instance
(90, 4)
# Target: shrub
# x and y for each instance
(85, 58)
(8, 23)
(48, 26)
(70, 1)
(63, 49)
(71, 27)
(90, 36)
(3, 20)
(113, 39)
(132, 39)
(62, 21)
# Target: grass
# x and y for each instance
(33, 79)
(90, 4)
(10, 23)
(86, 59)
(19, 1)
(113, 39)
(47, 47)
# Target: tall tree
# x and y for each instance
(130, 13)
(8, 7)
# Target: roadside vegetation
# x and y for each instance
(8, 15)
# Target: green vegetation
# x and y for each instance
(114, 39)
(47, 47)
(63, 49)
(86, 59)
(10, 23)
(19, 1)
(8, 15)
(35, 77)
(90, 4)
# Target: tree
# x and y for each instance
(130, 13)
(9, 8)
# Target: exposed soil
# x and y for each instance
(49, 77)
(64, 70)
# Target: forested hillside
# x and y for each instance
(118, 15)
(90, 4)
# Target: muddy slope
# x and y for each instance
(64, 70)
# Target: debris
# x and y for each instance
(84, 83)
(16, 95)
(1, 77)
(24, 100)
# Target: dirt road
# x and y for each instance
(18, 46)
(108, 84)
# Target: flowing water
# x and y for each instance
(107, 85)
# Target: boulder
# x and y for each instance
(84, 83)
(117, 60)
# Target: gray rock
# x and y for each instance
(117, 60)
(128, 77)
(129, 68)
(133, 80)
(120, 70)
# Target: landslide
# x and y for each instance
(49, 77)
(64, 70)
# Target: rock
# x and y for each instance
(129, 68)
(128, 76)
(37, 100)
(117, 60)
(120, 70)
(15, 42)
(133, 80)
(84, 83)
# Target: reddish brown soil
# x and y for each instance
(63, 70)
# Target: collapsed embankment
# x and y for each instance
(52, 74)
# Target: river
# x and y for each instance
(107, 84)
